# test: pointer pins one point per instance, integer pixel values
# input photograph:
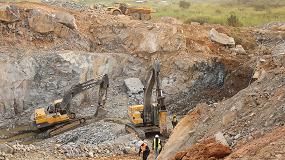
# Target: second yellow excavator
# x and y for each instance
(149, 117)
(57, 117)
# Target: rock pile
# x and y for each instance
(66, 4)
(100, 139)
(24, 148)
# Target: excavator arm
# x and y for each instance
(76, 89)
(150, 112)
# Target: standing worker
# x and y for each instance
(145, 150)
(174, 121)
(156, 146)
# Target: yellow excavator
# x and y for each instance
(149, 117)
(57, 117)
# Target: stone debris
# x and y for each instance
(99, 139)
(66, 4)
(221, 38)
(24, 148)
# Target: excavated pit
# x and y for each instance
(216, 81)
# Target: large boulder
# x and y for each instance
(134, 85)
(9, 13)
(65, 19)
(221, 38)
(41, 21)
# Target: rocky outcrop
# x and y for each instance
(44, 22)
(137, 38)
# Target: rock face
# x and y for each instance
(221, 38)
(9, 13)
(36, 80)
(139, 38)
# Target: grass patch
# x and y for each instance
(216, 13)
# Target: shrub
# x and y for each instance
(259, 7)
(201, 20)
(218, 11)
(184, 4)
(233, 20)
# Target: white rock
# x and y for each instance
(221, 38)
(238, 49)
(134, 85)
(219, 137)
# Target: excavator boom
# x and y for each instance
(76, 89)
(154, 117)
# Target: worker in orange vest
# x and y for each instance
(145, 150)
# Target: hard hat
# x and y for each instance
(156, 136)
(139, 143)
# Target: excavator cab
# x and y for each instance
(135, 114)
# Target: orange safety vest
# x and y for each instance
(143, 147)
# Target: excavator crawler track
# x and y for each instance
(130, 128)
(62, 128)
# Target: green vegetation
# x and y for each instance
(226, 14)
